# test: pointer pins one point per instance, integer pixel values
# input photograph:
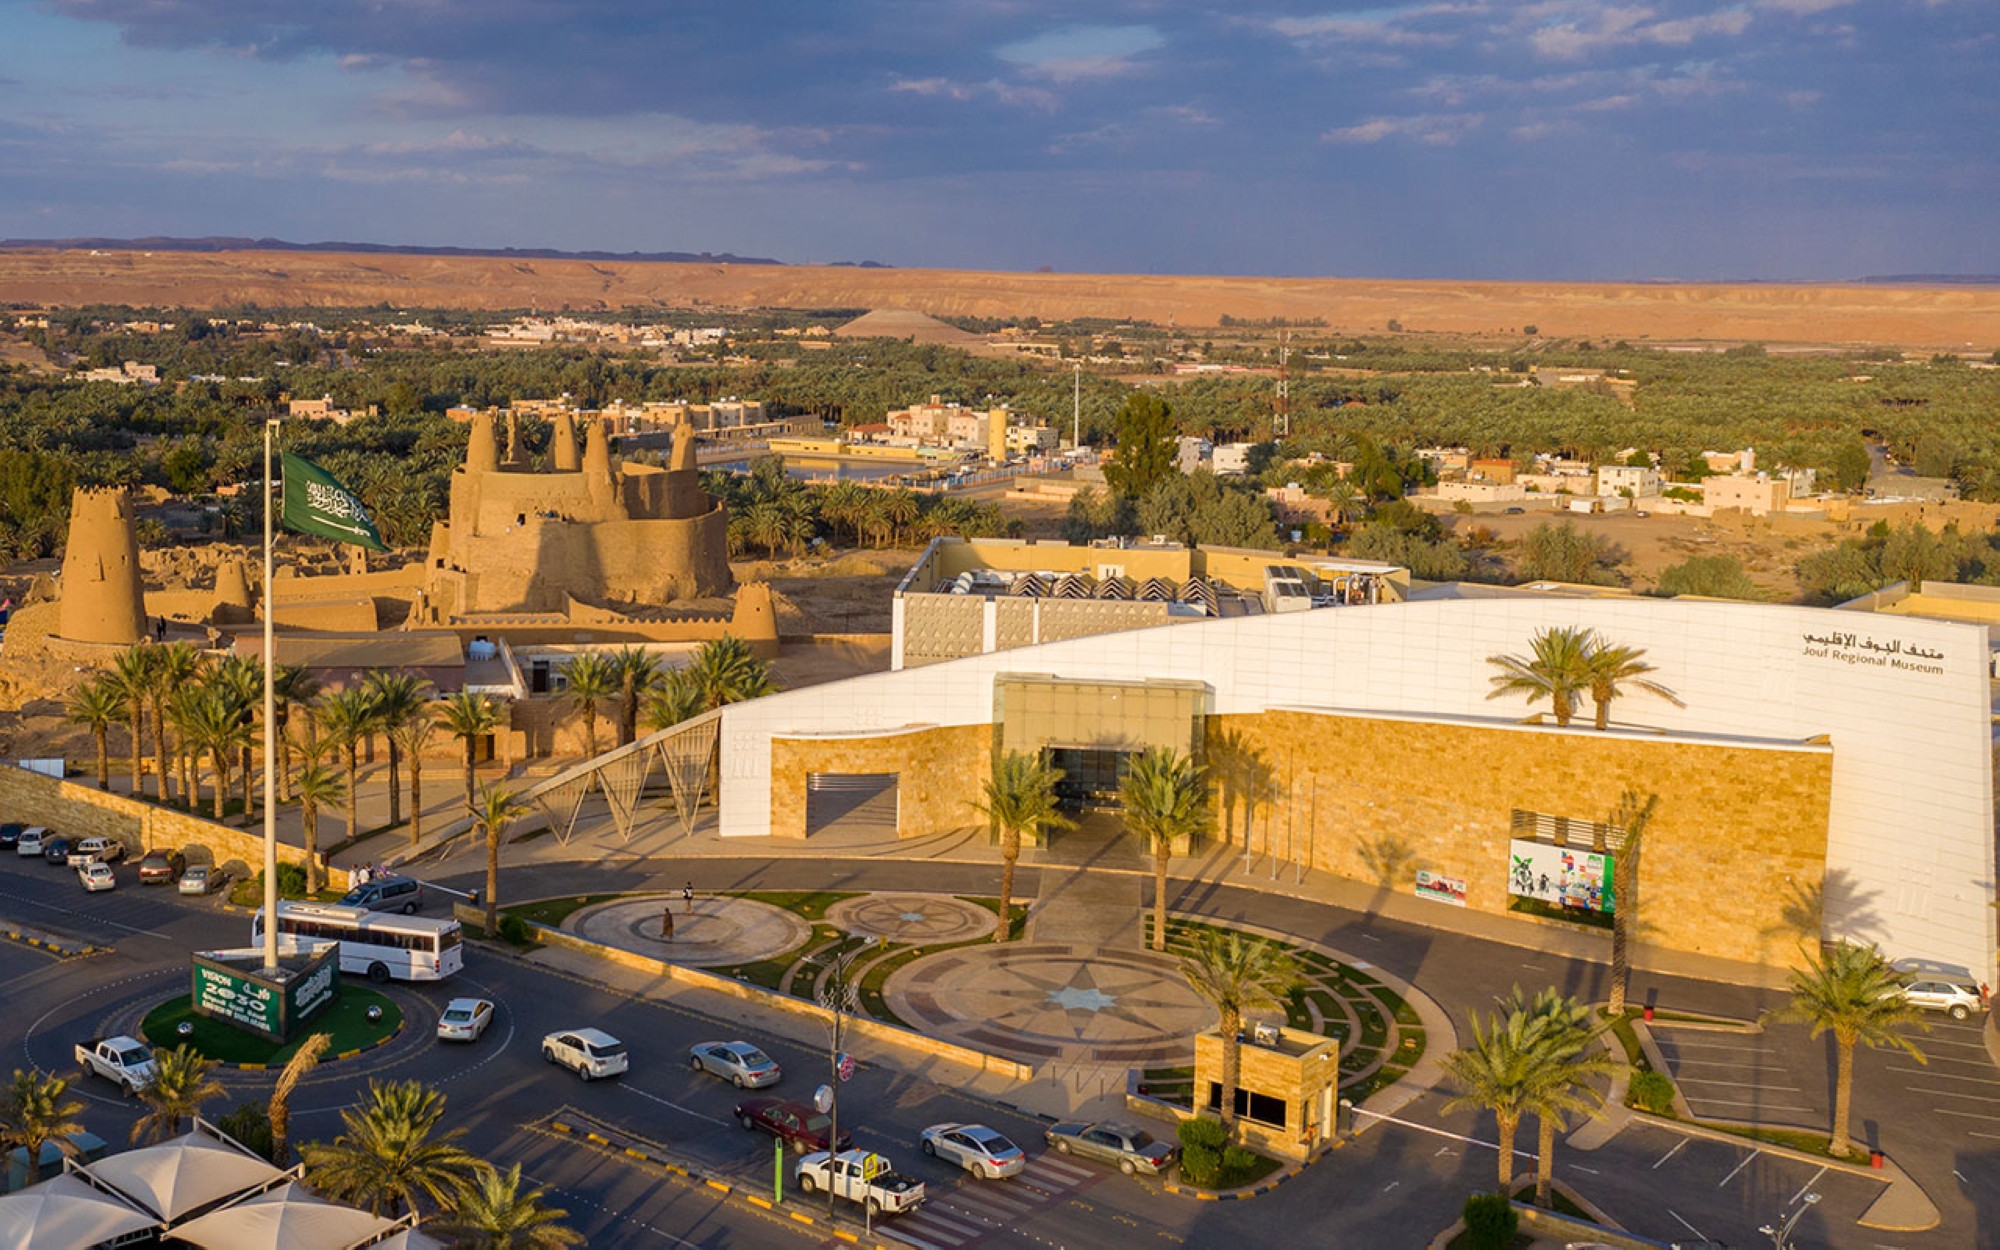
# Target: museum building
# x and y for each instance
(1820, 763)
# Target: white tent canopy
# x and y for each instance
(289, 1217)
(183, 1175)
(408, 1239)
(65, 1213)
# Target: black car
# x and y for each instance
(56, 851)
(10, 833)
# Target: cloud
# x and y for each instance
(966, 92)
(1082, 53)
(1616, 26)
(1433, 129)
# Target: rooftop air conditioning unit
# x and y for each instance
(1265, 1034)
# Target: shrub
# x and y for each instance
(1202, 1154)
(515, 930)
(1490, 1222)
(291, 879)
(1236, 1162)
(249, 1125)
(1650, 1091)
(1203, 1132)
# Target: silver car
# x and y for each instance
(1960, 1002)
(976, 1148)
(464, 1019)
(737, 1062)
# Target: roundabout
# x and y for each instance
(357, 1020)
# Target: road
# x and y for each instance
(1394, 1184)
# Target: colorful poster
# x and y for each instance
(1440, 889)
(1565, 876)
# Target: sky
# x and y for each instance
(1677, 140)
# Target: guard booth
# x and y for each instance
(1286, 1087)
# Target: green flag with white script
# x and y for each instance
(316, 503)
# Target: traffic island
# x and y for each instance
(346, 1019)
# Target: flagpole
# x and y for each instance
(270, 731)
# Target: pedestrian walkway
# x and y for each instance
(972, 1210)
(1081, 904)
(709, 933)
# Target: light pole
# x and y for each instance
(1781, 1237)
(839, 996)
(1076, 411)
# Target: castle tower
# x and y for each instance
(755, 620)
(102, 600)
(232, 594)
(482, 450)
(684, 457)
(562, 445)
(517, 459)
(996, 436)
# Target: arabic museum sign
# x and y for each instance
(1869, 651)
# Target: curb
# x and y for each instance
(401, 1023)
(54, 946)
(1239, 1194)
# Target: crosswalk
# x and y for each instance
(974, 1209)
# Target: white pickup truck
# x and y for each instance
(122, 1059)
(862, 1176)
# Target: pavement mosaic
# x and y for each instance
(712, 933)
(913, 919)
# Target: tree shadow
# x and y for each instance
(1244, 779)
(1388, 858)
(1810, 911)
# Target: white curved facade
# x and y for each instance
(1905, 703)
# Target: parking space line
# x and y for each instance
(1688, 1045)
(1738, 1168)
(1970, 1115)
(1982, 1136)
(1803, 1188)
(1682, 1144)
(633, 1089)
(1944, 1076)
(1706, 1080)
(1684, 1224)
(1741, 1102)
(1945, 1041)
(1922, 1089)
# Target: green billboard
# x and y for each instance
(232, 986)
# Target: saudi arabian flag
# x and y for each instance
(316, 503)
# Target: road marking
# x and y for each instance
(1803, 1188)
(1738, 1168)
(1924, 1089)
(1443, 1151)
(1391, 1185)
(633, 1089)
(1970, 1115)
(1945, 1041)
(574, 1196)
(1578, 1167)
(1687, 1043)
(81, 915)
(1438, 1132)
(1709, 1080)
(1944, 1076)
(1740, 1102)
(1536, 967)
(1682, 1145)
(1960, 1175)
(1684, 1224)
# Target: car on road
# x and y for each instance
(464, 1019)
(161, 866)
(56, 851)
(10, 833)
(794, 1123)
(96, 876)
(1134, 1150)
(861, 1176)
(103, 850)
(122, 1060)
(739, 1063)
(976, 1148)
(1958, 1000)
(203, 879)
(590, 1053)
(403, 894)
(29, 841)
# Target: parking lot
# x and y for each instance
(1774, 1077)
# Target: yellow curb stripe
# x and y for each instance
(800, 1217)
(720, 1186)
(756, 1201)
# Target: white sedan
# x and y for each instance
(464, 1019)
(96, 876)
(590, 1053)
(976, 1148)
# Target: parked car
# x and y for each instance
(56, 850)
(10, 833)
(403, 894)
(1134, 1150)
(590, 1053)
(29, 842)
(203, 879)
(104, 850)
(976, 1148)
(464, 1019)
(1959, 1000)
(796, 1124)
(96, 876)
(161, 866)
(737, 1062)
(861, 1176)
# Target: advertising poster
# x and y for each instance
(1564, 876)
(1440, 889)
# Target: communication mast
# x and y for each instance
(1281, 415)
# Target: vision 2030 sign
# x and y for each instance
(229, 995)
(1565, 876)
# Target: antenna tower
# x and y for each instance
(1281, 417)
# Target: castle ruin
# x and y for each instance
(102, 599)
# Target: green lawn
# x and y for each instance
(346, 1019)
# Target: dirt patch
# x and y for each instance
(1648, 546)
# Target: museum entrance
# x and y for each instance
(851, 803)
(1091, 777)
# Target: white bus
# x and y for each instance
(381, 946)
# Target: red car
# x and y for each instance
(801, 1128)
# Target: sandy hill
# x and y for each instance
(901, 323)
(1918, 316)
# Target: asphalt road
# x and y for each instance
(1395, 1184)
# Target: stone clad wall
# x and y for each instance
(940, 771)
(1740, 831)
(83, 811)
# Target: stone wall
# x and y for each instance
(83, 811)
(1299, 1072)
(1739, 833)
(940, 771)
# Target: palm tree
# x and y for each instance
(1565, 1033)
(766, 523)
(469, 717)
(725, 670)
(172, 667)
(593, 676)
(1632, 815)
(240, 682)
(292, 686)
(875, 518)
(1020, 798)
(637, 672)
(1237, 974)
(902, 509)
(213, 725)
(392, 698)
(303, 1060)
(36, 1111)
(493, 1214)
(347, 718)
(411, 735)
(97, 706)
(1612, 670)
(183, 708)
(1854, 994)
(842, 505)
(490, 817)
(672, 700)
(183, 1082)
(1165, 796)
(1498, 1073)
(131, 678)
(392, 1153)
(1557, 668)
(317, 786)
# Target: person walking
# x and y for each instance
(667, 923)
(687, 896)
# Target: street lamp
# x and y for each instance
(1781, 1237)
(839, 996)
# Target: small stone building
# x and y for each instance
(1286, 1089)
